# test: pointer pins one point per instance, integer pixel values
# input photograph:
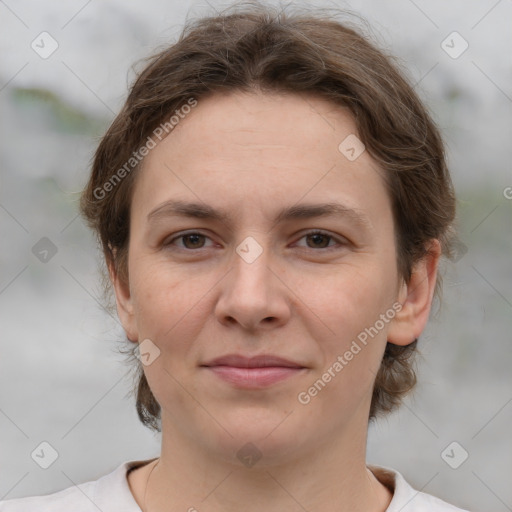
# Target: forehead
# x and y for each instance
(267, 124)
(261, 150)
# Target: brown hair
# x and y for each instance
(257, 47)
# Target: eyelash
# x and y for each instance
(309, 233)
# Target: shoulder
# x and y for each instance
(406, 498)
(109, 493)
(72, 498)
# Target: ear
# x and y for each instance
(416, 298)
(125, 309)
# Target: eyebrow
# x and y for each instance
(177, 208)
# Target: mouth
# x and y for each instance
(253, 372)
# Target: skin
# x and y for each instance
(251, 155)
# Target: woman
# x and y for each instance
(272, 202)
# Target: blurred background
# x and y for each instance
(65, 70)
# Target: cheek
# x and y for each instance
(168, 304)
(357, 295)
(351, 358)
(352, 308)
(153, 296)
(169, 311)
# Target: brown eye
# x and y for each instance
(187, 241)
(319, 240)
(196, 240)
(322, 240)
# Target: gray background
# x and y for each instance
(62, 378)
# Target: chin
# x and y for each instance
(265, 440)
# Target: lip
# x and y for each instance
(253, 372)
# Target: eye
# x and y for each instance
(321, 239)
(191, 241)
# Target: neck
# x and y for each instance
(330, 477)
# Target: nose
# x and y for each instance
(252, 295)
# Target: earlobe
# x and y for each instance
(125, 309)
(416, 298)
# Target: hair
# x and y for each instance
(256, 48)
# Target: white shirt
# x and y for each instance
(111, 493)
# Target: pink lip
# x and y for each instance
(253, 372)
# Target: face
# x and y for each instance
(275, 273)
